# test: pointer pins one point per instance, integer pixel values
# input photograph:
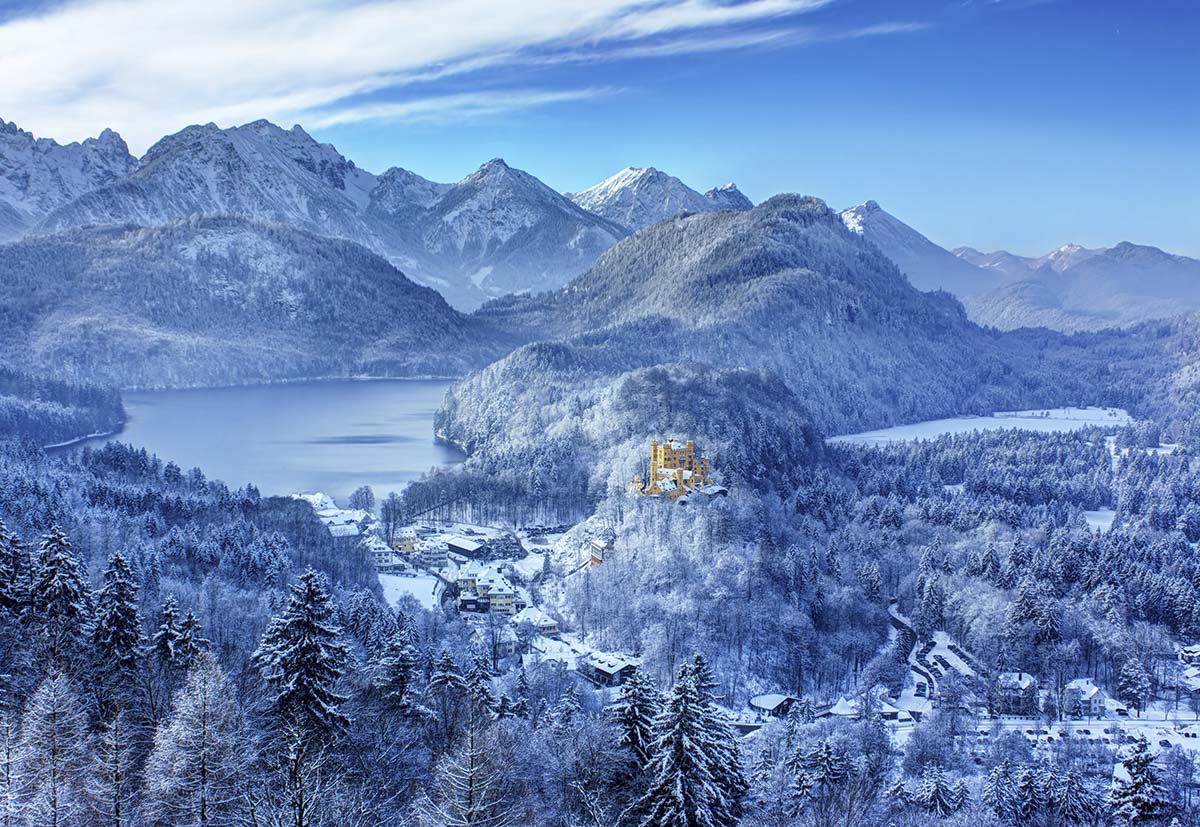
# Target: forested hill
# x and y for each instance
(48, 411)
(223, 300)
(784, 288)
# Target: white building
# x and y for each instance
(541, 621)
(1089, 697)
(381, 553)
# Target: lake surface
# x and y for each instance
(329, 436)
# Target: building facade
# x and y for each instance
(676, 470)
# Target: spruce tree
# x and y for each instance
(301, 657)
(1133, 684)
(117, 632)
(727, 760)
(636, 709)
(999, 791)
(683, 791)
(936, 793)
(1073, 800)
(165, 643)
(479, 685)
(191, 644)
(446, 695)
(521, 693)
(59, 603)
(1141, 798)
(396, 672)
(196, 773)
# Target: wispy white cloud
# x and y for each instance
(447, 108)
(147, 67)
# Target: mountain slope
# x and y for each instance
(37, 175)
(256, 171)
(784, 290)
(1074, 288)
(928, 266)
(222, 300)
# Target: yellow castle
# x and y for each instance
(675, 471)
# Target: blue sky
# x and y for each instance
(994, 123)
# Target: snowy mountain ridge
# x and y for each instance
(38, 175)
(928, 266)
(637, 197)
(1078, 288)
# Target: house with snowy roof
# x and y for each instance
(485, 589)
(471, 549)
(381, 553)
(1017, 693)
(537, 618)
(773, 705)
(1081, 696)
(605, 669)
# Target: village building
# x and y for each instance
(1017, 693)
(502, 641)
(676, 470)
(405, 540)
(1190, 654)
(542, 622)
(773, 705)
(605, 669)
(485, 589)
(381, 553)
(471, 549)
(430, 554)
(601, 545)
(1081, 696)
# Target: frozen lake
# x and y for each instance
(1047, 420)
(330, 436)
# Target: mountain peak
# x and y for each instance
(729, 197)
(637, 197)
(855, 218)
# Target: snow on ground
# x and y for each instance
(530, 565)
(426, 588)
(942, 650)
(1101, 519)
(1050, 420)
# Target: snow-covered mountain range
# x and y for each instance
(638, 197)
(499, 230)
(1077, 288)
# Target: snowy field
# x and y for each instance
(1101, 519)
(1050, 420)
(425, 588)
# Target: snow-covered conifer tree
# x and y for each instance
(635, 711)
(302, 656)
